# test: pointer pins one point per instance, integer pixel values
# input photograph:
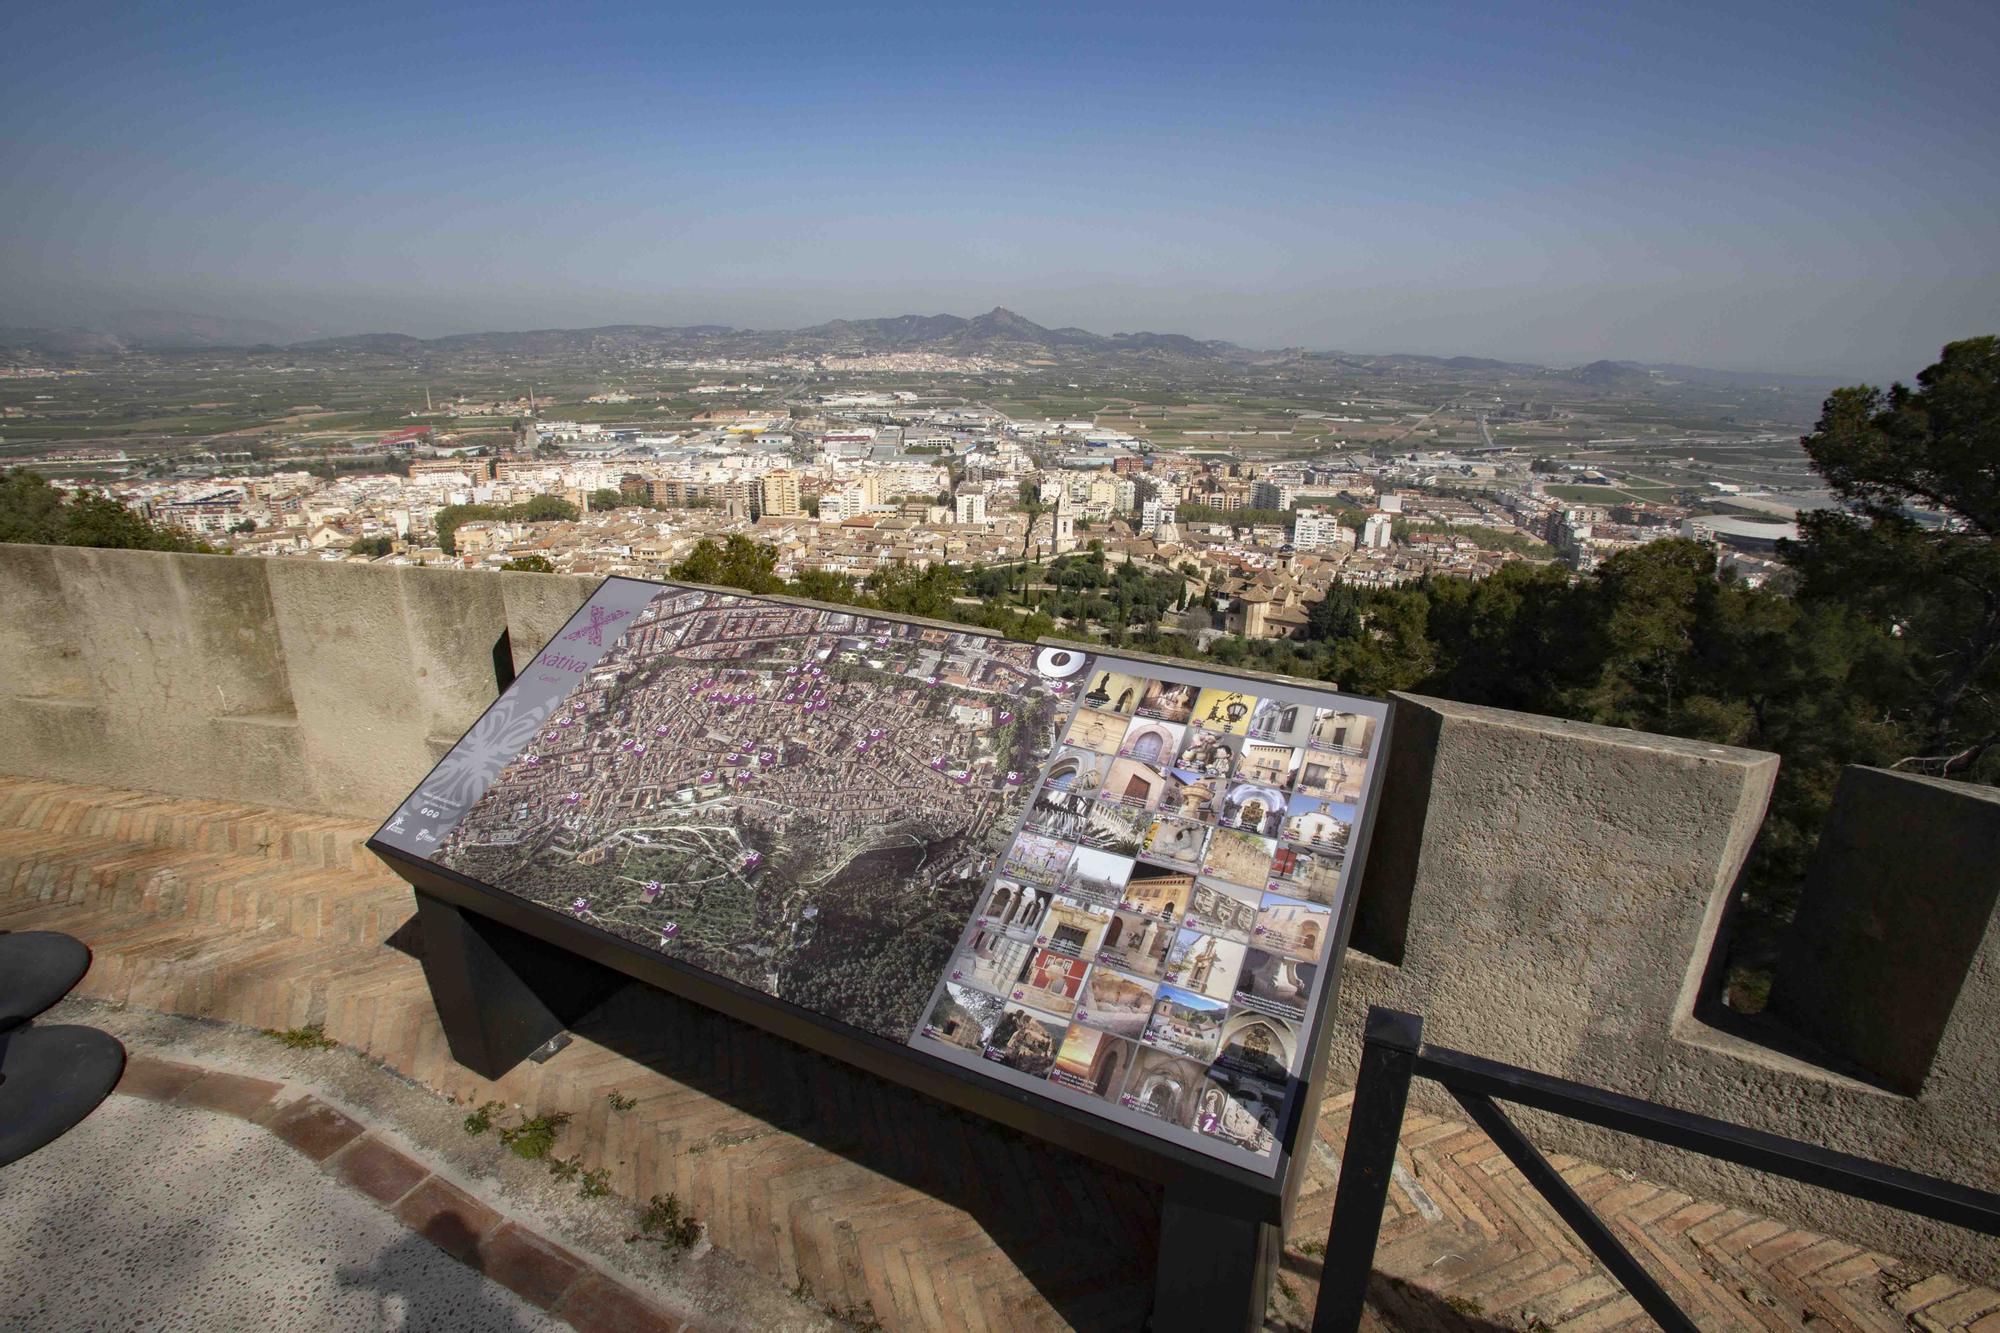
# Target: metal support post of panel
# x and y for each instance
(1388, 1061)
(1215, 1269)
(493, 1016)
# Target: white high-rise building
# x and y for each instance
(1317, 530)
(969, 507)
(1376, 533)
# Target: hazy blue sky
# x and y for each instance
(1773, 185)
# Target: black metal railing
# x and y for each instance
(1393, 1054)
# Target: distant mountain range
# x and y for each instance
(999, 333)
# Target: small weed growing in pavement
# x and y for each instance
(1310, 1249)
(563, 1168)
(482, 1120)
(802, 1290)
(664, 1224)
(1287, 1290)
(535, 1135)
(311, 1037)
(620, 1102)
(860, 1317)
(1465, 1305)
(596, 1184)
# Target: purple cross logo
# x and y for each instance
(599, 619)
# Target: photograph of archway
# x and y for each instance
(1138, 783)
(1167, 701)
(1059, 813)
(1111, 827)
(1098, 876)
(1281, 723)
(1136, 942)
(963, 1016)
(1159, 890)
(1177, 842)
(1239, 1107)
(1188, 794)
(1224, 711)
(1263, 1045)
(990, 960)
(1038, 857)
(1253, 807)
(1115, 1002)
(1275, 984)
(1095, 729)
(1164, 1085)
(1228, 910)
(1072, 927)
(1093, 1061)
(1014, 907)
(1208, 753)
(1113, 691)
(1051, 982)
(1186, 1023)
(1304, 873)
(1341, 732)
(1152, 740)
(1026, 1040)
(1320, 824)
(1239, 857)
(1075, 769)
(1293, 928)
(1205, 964)
(1333, 777)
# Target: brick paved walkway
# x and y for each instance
(880, 1201)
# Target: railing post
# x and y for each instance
(1389, 1048)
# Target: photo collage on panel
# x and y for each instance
(1153, 934)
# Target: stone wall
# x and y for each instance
(1545, 893)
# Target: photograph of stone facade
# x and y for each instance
(1188, 794)
(1186, 1023)
(963, 1016)
(1136, 942)
(1159, 890)
(1252, 807)
(1072, 927)
(1137, 783)
(1208, 753)
(1167, 701)
(1152, 740)
(1026, 1040)
(1051, 982)
(1204, 964)
(1223, 710)
(1093, 1061)
(1095, 729)
(1341, 732)
(1293, 928)
(1239, 857)
(1113, 691)
(1116, 1002)
(1333, 777)
(1176, 842)
(1268, 763)
(1163, 1085)
(1228, 910)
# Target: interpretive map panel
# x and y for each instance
(1116, 883)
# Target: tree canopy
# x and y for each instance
(31, 510)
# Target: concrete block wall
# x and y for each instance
(1544, 892)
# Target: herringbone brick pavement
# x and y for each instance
(877, 1200)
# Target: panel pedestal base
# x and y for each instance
(1215, 1269)
(501, 994)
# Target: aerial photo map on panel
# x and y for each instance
(806, 801)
